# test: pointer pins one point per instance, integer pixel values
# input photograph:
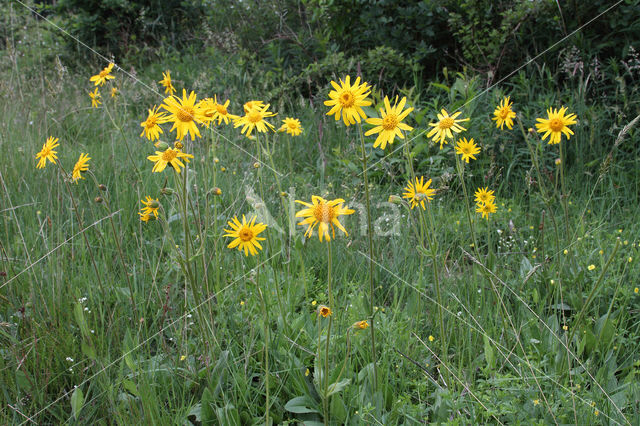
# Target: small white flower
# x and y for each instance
(69, 359)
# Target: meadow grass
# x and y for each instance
(161, 323)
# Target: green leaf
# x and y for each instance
(89, 351)
(301, 404)
(337, 386)
(489, 354)
(77, 401)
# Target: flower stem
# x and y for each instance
(370, 238)
(325, 398)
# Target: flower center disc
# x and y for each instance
(245, 234)
(185, 114)
(104, 73)
(151, 122)
(221, 109)
(347, 99)
(446, 123)
(556, 124)
(169, 155)
(323, 213)
(390, 122)
(503, 113)
(254, 117)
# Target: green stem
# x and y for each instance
(371, 261)
(325, 398)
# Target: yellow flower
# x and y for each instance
(503, 114)
(390, 124)
(347, 100)
(591, 267)
(442, 130)
(486, 209)
(361, 325)
(184, 114)
(216, 111)
(80, 166)
(431, 338)
(325, 214)
(291, 126)
(104, 75)
(114, 92)
(484, 195)
(248, 106)
(418, 192)
(468, 150)
(324, 311)
(555, 125)
(95, 98)
(636, 290)
(166, 83)
(151, 129)
(536, 402)
(254, 119)
(151, 207)
(169, 156)
(245, 235)
(47, 152)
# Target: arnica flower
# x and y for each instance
(82, 165)
(151, 129)
(95, 98)
(445, 127)
(325, 214)
(184, 114)
(169, 156)
(221, 112)
(484, 195)
(166, 83)
(503, 114)
(486, 209)
(419, 192)
(292, 126)
(47, 152)
(104, 75)
(245, 235)
(114, 92)
(324, 311)
(468, 149)
(555, 125)
(255, 119)
(347, 100)
(390, 124)
(150, 208)
(360, 325)
(248, 106)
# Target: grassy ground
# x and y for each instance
(105, 319)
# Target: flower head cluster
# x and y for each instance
(104, 75)
(254, 118)
(556, 124)
(95, 98)
(346, 100)
(468, 149)
(82, 165)
(47, 152)
(418, 192)
(245, 235)
(151, 126)
(325, 214)
(503, 114)
(390, 124)
(150, 209)
(292, 126)
(169, 156)
(446, 126)
(485, 202)
(166, 83)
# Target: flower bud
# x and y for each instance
(167, 191)
(102, 187)
(98, 200)
(256, 165)
(324, 311)
(216, 191)
(178, 145)
(394, 199)
(162, 146)
(360, 325)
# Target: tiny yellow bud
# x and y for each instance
(307, 372)
(565, 251)
(591, 267)
(314, 303)
(183, 357)
(360, 325)
(216, 160)
(431, 338)
(178, 145)
(256, 165)
(558, 161)
(216, 191)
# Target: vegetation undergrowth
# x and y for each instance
(166, 277)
